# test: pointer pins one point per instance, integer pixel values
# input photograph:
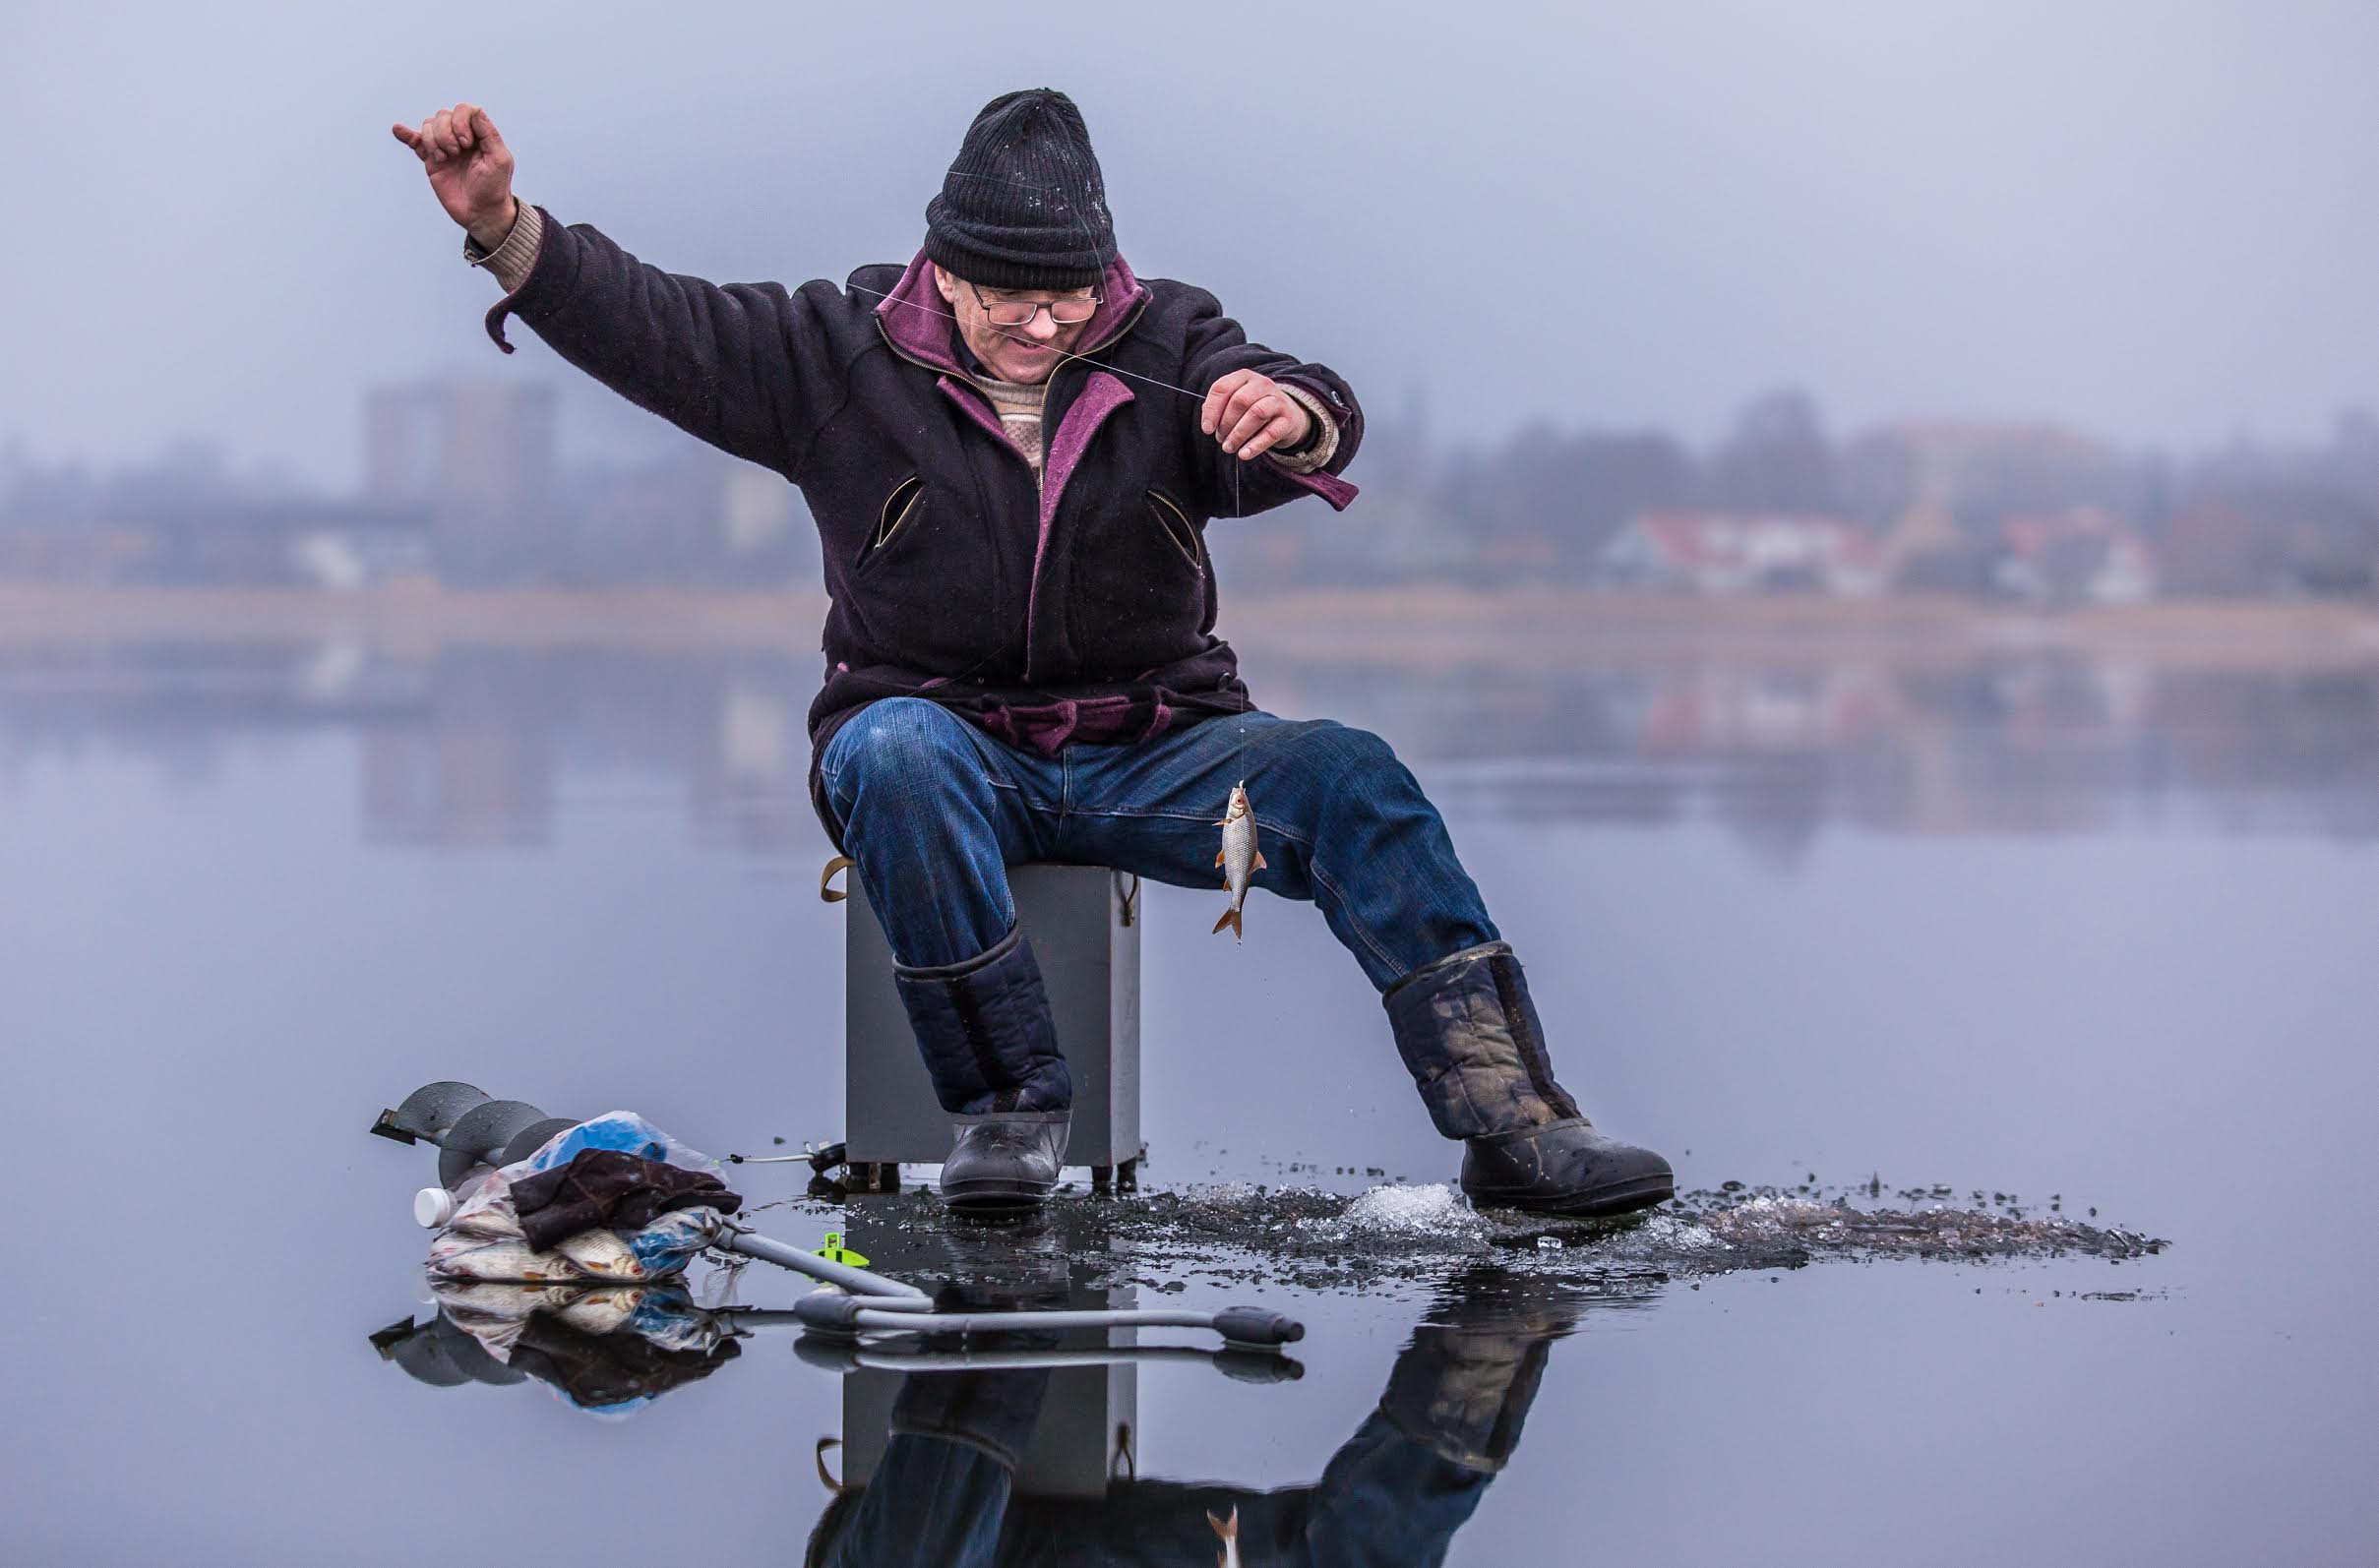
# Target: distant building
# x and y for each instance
(698, 517)
(2078, 556)
(1731, 553)
(185, 518)
(346, 559)
(1927, 553)
(478, 459)
(2128, 573)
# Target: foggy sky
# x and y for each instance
(2154, 222)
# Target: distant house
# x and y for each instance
(1731, 553)
(345, 559)
(2127, 575)
(2078, 556)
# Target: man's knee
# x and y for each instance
(1345, 756)
(896, 739)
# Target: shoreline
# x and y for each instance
(1425, 624)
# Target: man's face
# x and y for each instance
(1013, 353)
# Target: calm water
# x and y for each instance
(2031, 925)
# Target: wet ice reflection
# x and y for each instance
(2086, 928)
(474, 746)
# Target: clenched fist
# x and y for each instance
(470, 168)
(1249, 414)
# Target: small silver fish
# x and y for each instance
(1228, 1531)
(1238, 856)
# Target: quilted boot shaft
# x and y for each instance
(1470, 1038)
(984, 1027)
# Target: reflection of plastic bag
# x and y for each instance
(483, 1240)
(607, 1350)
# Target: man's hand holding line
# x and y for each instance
(1250, 414)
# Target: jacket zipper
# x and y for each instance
(1032, 577)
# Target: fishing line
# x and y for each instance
(1062, 354)
(1238, 464)
(1013, 338)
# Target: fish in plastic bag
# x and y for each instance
(483, 1242)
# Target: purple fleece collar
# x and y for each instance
(916, 322)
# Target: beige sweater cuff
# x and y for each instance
(1326, 437)
(512, 259)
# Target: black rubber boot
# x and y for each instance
(991, 1048)
(1567, 1168)
(1469, 1037)
(1006, 1161)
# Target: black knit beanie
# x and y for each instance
(1023, 205)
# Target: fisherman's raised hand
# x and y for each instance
(470, 168)
(1249, 415)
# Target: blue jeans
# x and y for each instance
(934, 812)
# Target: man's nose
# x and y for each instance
(1043, 326)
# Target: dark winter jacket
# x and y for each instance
(1081, 609)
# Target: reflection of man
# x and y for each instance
(1011, 490)
(1395, 1492)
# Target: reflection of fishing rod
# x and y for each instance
(830, 1313)
(472, 1131)
(439, 1353)
(838, 1354)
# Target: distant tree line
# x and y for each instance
(2248, 519)
(1946, 502)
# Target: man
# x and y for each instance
(1012, 448)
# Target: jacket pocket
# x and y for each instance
(1137, 589)
(898, 509)
(1178, 527)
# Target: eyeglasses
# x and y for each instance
(1019, 313)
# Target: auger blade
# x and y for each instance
(481, 1136)
(430, 1111)
(528, 1140)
